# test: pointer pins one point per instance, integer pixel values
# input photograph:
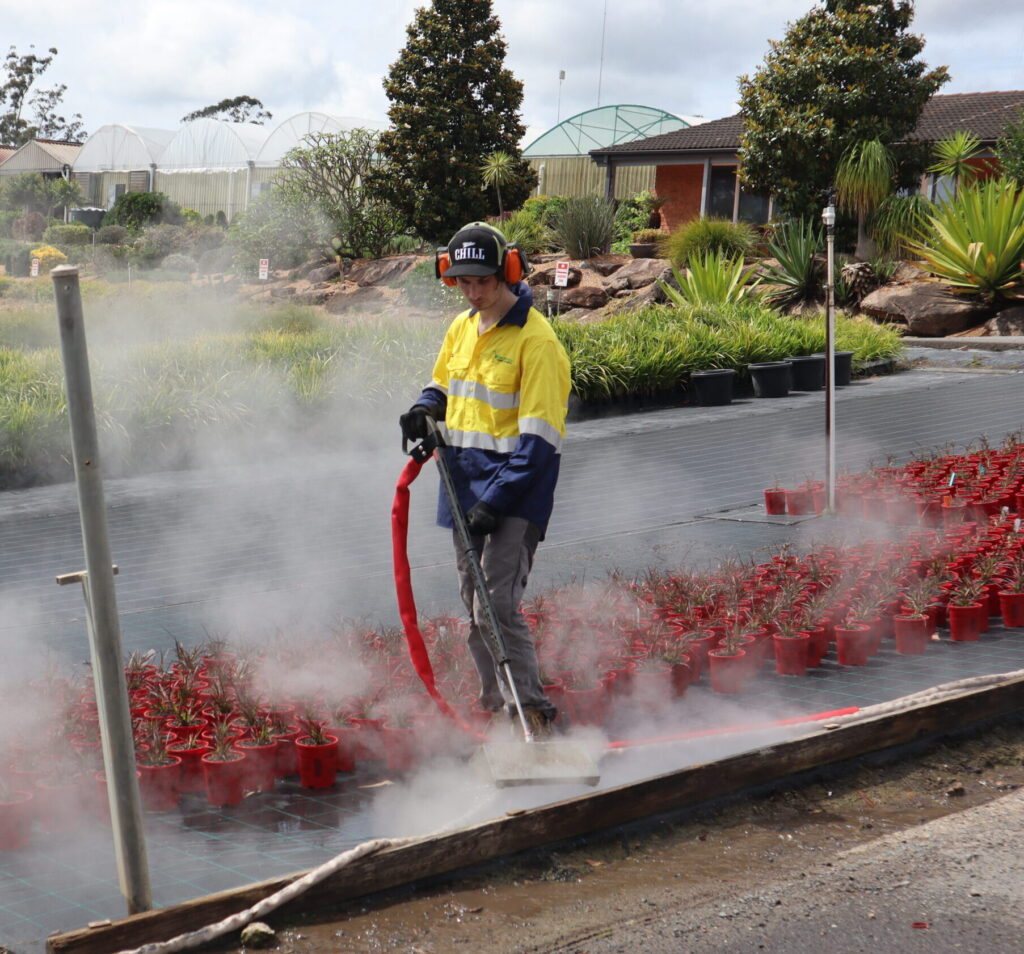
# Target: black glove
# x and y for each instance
(482, 519)
(414, 423)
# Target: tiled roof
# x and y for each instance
(984, 114)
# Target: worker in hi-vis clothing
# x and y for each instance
(500, 390)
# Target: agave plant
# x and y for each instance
(798, 275)
(712, 279)
(974, 241)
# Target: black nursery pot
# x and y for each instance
(842, 364)
(808, 372)
(771, 379)
(713, 387)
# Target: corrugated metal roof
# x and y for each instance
(41, 155)
(984, 114)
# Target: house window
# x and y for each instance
(727, 199)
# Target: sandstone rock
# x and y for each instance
(585, 296)
(641, 272)
(1010, 321)
(649, 295)
(605, 268)
(282, 291)
(359, 298)
(380, 271)
(927, 309)
(616, 285)
(907, 272)
(546, 276)
(311, 295)
(323, 274)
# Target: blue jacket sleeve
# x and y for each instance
(533, 460)
(435, 401)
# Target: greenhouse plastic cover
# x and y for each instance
(206, 145)
(117, 148)
(606, 126)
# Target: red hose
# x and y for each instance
(421, 659)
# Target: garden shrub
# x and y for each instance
(7, 217)
(135, 210)
(178, 262)
(216, 260)
(544, 208)
(159, 241)
(529, 233)
(700, 236)
(646, 237)
(15, 257)
(71, 233)
(111, 235)
(49, 257)
(584, 226)
(29, 227)
(191, 217)
(632, 215)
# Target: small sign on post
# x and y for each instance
(561, 274)
(264, 269)
(34, 270)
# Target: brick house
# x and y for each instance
(696, 167)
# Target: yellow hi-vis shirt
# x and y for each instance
(505, 394)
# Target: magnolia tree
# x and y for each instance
(453, 105)
(845, 73)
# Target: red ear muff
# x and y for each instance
(441, 264)
(516, 265)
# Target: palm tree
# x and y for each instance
(864, 178)
(498, 169)
(952, 155)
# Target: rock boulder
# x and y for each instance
(641, 272)
(380, 271)
(1010, 321)
(927, 309)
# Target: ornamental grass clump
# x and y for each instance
(584, 226)
(696, 238)
(712, 279)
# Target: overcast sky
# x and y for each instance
(149, 63)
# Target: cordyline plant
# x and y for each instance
(152, 749)
(919, 594)
(312, 729)
(967, 592)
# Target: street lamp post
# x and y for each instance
(828, 216)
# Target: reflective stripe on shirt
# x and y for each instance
(499, 400)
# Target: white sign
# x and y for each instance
(561, 274)
(35, 268)
(264, 269)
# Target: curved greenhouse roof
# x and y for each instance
(212, 145)
(290, 133)
(117, 148)
(605, 126)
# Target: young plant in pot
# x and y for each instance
(914, 624)
(775, 499)
(792, 644)
(159, 770)
(224, 769)
(260, 746)
(1011, 595)
(731, 664)
(964, 610)
(318, 753)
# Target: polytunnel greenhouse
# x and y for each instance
(208, 165)
(561, 155)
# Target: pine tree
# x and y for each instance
(846, 72)
(453, 103)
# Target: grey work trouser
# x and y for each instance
(506, 557)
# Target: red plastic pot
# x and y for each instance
(318, 764)
(729, 671)
(853, 644)
(261, 765)
(682, 677)
(190, 777)
(399, 748)
(1011, 605)
(225, 781)
(799, 501)
(159, 785)
(817, 645)
(964, 622)
(16, 812)
(775, 501)
(912, 634)
(791, 654)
